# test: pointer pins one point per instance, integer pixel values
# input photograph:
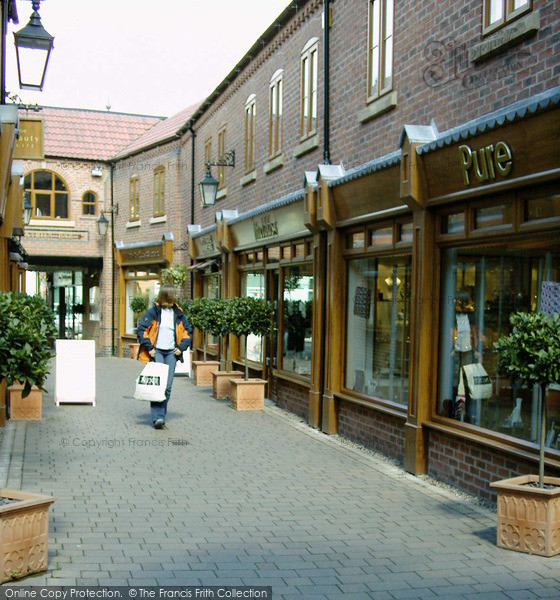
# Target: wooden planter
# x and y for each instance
(202, 371)
(133, 349)
(29, 408)
(528, 517)
(247, 395)
(24, 530)
(221, 383)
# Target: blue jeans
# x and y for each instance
(159, 409)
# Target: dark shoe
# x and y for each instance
(159, 423)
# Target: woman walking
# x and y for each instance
(164, 334)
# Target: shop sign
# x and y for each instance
(206, 243)
(30, 141)
(77, 236)
(146, 254)
(62, 278)
(485, 164)
(265, 226)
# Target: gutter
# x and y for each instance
(326, 84)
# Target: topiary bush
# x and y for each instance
(249, 315)
(27, 332)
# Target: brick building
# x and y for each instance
(68, 175)
(395, 193)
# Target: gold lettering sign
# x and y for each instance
(30, 141)
(56, 235)
(142, 255)
(485, 163)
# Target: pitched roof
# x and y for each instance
(166, 130)
(88, 134)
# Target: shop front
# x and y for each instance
(493, 194)
(139, 280)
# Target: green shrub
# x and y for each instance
(27, 332)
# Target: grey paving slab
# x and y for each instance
(227, 498)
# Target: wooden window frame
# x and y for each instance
(309, 87)
(159, 192)
(509, 14)
(52, 193)
(86, 203)
(250, 116)
(383, 83)
(275, 117)
(134, 198)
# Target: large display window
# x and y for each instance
(297, 312)
(378, 327)
(142, 283)
(481, 287)
(252, 284)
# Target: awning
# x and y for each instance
(203, 265)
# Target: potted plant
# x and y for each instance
(219, 323)
(138, 305)
(28, 330)
(176, 274)
(249, 316)
(529, 505)
(197, 312)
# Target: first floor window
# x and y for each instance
(499, 12)
(481, 287)
(134, 199)
(49, 195)
(89, 203)
(309, 79)
(159, 192)
(380, 60)
(297, 311)
(378, 327)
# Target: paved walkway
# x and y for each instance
(228, 498)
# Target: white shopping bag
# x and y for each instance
(151, 383)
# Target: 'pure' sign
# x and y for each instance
(486, 163)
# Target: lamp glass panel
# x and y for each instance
(32, 65)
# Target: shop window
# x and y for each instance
(453, 224)
(297, 310)
(275, 115)
(378, 327)
(309, 71)
(89, 204)
(498, 13)
(147, 290)
(493, 216)
(381, 236)
(159, 192)
(380, 42)
(286, 252)
(355, 240)
(538, 209)
(299, 251)
(405, 233)
(211, 289)
(250, 114)
(273, 255)
(49, 195)
(222, 139)
(260, 256)
(481, 288)
(134, 199)
(252, 284)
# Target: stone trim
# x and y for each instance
(132, 224)
(249, 178)
(309, 144)
(273, 164)
(155, 220)
(378, 107)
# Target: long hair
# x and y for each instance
(167, 295)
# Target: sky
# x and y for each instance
(140, 56)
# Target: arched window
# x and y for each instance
(89, 204)
(275, 115)
(309, 70)
(49, 195)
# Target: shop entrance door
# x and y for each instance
(68, 304)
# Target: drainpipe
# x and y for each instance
(193, 187)
(113, 352)
(327, 84)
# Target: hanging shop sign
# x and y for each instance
(29, 144)
(142, 255)
(204, 245)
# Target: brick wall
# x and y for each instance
(471, 467)
(373, 429)
(293, 397)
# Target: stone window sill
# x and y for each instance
(221, 193)
(273, 164)
(133, 224)
(378, 107)
(306, 146)
(249, 178)
(160, 219)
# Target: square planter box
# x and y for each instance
(528, 517)
(29, 408)
(221, 383)
(24, 530)
(247, 395)
(202, 371)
